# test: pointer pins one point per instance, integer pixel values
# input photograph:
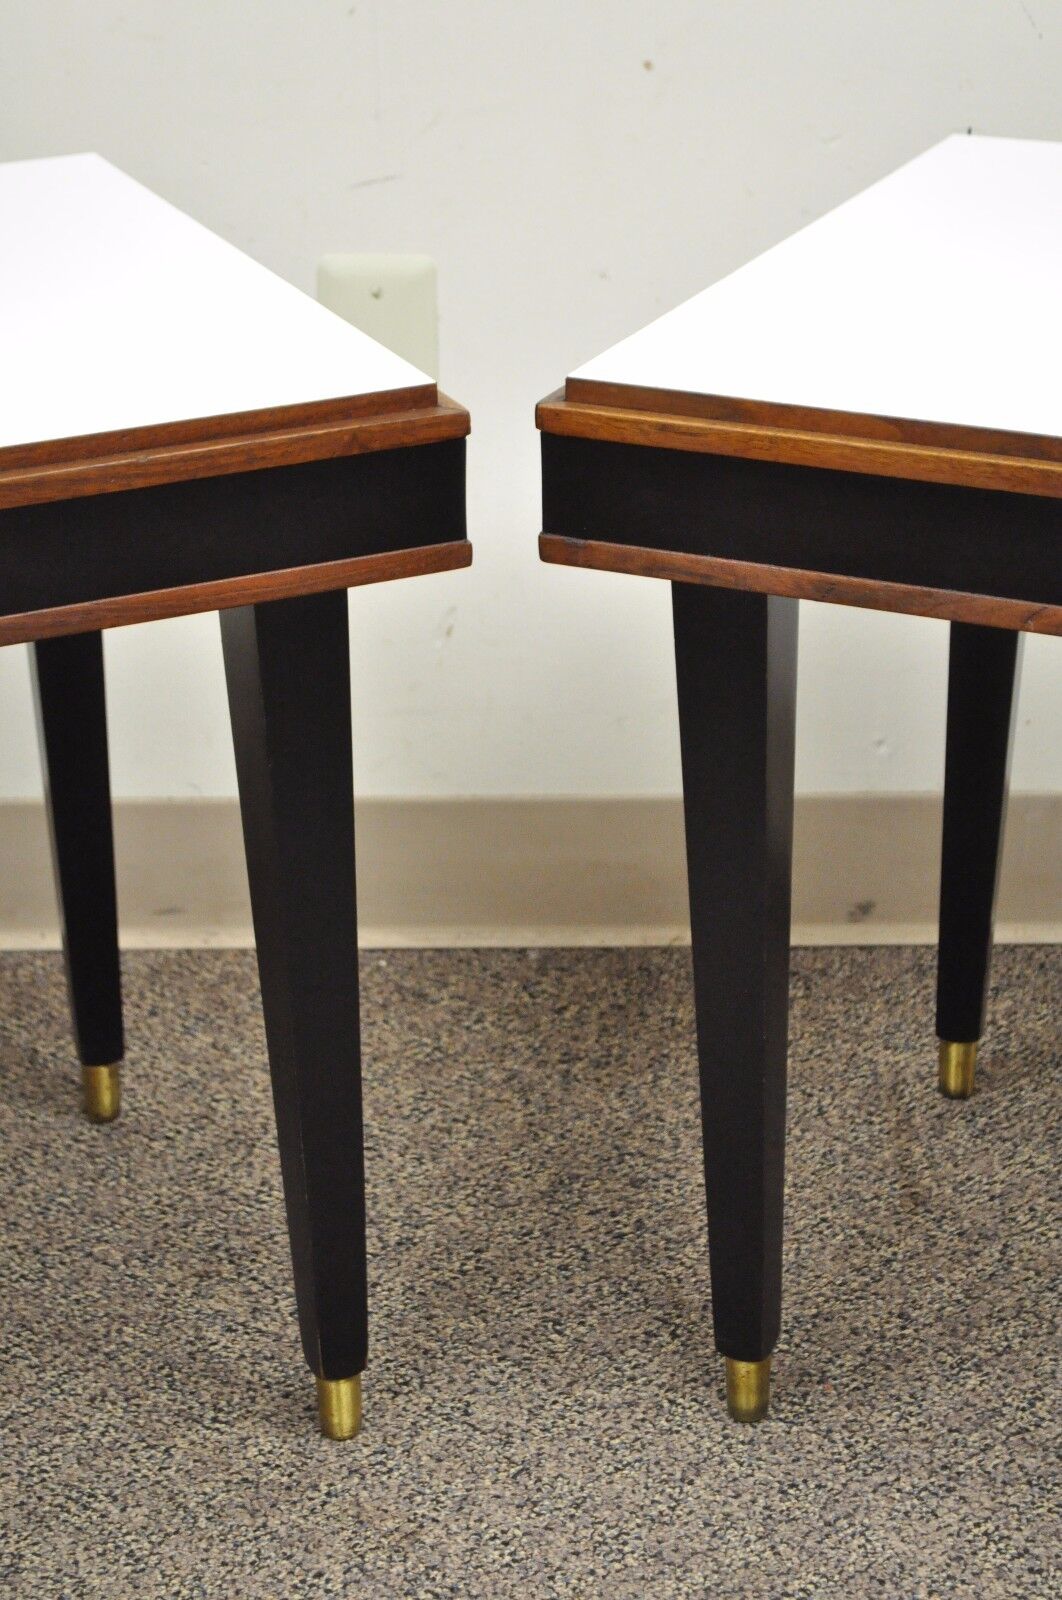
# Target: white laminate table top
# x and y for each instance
(935, 295)
(117, 311)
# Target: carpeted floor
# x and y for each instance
(543, 1405)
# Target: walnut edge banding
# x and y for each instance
(116, 611)
(212, 447)
(861, 449)
(680, 566)
(815, 419)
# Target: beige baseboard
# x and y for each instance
(516, 872)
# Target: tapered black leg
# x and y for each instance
(736, 666)
(288, 673)
(982, 693)
(72, 732)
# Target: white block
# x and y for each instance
(392, 298)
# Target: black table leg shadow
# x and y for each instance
(72, 732)
(288, 672)
(982, 694)
(736, 656)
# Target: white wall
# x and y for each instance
(575, 167)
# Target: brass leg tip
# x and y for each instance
(103, 1092)
(339, 1407)
(957, 1063)
(748, 1389)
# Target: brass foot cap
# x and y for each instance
(103, 1092)
(748, 1389)
(957, 1063)
(339, 1407)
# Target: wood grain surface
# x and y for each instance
(209, 447)
(225, 593)
(925, 452)
(835, 588)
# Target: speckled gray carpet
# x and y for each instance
(543, 1406)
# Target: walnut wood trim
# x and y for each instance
(220, 595)
(724, 573)
(197, 430)
(285, 436)
(814, 419)
(847, 451)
